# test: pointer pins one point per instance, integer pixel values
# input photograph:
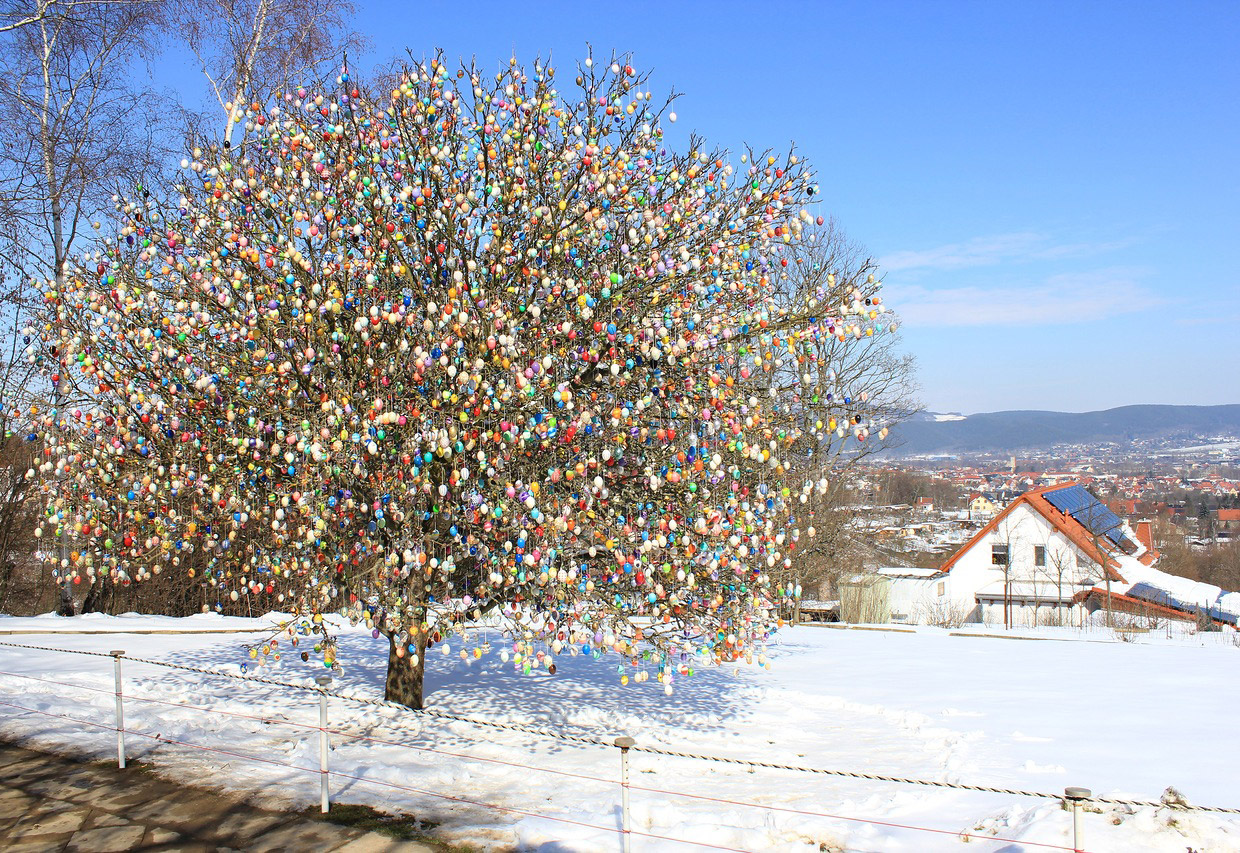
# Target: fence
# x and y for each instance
(1073, 799)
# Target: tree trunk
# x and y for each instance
(404, 678)
(1006, 598)
(99, 597)
(6, 580)
(1108, 598)
(65, 606)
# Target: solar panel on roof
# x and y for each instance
(1092, 513)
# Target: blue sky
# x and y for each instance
(1053, 188)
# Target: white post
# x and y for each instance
(323, 682)
(625, 743)
(120, 712)
(1074, 796)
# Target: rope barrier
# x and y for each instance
(362, 700)
(363, 779)
(468, 757)
(591, 741)
(904, 780)
(161, 738)
(152, 700)
(964, 836)
(291, 724)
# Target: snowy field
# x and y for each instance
(1125, 719)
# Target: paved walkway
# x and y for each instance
(52, 803)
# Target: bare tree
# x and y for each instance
(17, 516)
(1103, 548)
(78, 131)
(249, 49)
(1006, 560)
(16, 15)
(1058, 568)
(836, 272)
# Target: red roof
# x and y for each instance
(1229, 515)
(1131, 604)
(1064, 523)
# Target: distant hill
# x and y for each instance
(931, 433)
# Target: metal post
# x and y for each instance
(1074, 796)
(120, 712)
(323, 682)
(625, 744)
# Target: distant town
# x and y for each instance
(1166, 509)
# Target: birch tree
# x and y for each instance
(78, 131)
(248, 49)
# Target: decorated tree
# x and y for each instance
(472, 345)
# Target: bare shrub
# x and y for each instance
(1128, 627)
(942, 612)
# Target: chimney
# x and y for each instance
(1145, 534)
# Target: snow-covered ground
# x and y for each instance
(1125, 719)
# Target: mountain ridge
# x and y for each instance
(930, 433)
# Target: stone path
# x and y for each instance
(52, 803)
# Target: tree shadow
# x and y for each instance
(584, 697)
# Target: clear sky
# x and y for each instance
(1053, 189)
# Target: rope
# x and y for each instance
(590, 741)
(904, 780)
(292, 724)
(962, 835)
(309, 688)
(379, 782)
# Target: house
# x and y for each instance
(1227, 520)
(891, 594)
(1145, 535)
(912, 592)
(1038, 560)
(1028, 563)
(981, 506)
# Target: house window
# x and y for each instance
(999, 555)
(942, 587)
(1039, 555)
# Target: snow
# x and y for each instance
(908, 572)
(940, 418)
(1123, 718)
(92, 623)
(1159, 587)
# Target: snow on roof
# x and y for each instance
(1158, 587)
(908, 572)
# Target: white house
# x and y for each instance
(912, 592)
(1030, 562)
(1057, 551)
(1051, 557)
